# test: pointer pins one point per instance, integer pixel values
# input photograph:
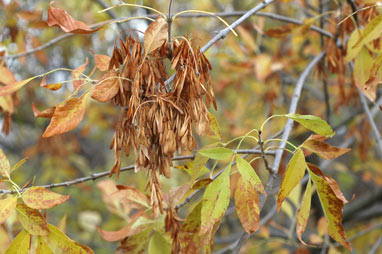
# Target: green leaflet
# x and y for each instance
(312, 123)
(292, 176)
(217, 153)
(215, 200)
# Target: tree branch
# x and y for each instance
(293, 107)
(96, 176)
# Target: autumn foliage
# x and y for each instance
(154, 101)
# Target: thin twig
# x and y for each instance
(112, 15)
(186, 15)
(232, 247)
(374, 127)
(96, 176)
(375, 246)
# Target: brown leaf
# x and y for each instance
(58, 17)
(316, 145)
(155, 35)
(47, 113)
(332, 202)
(67, 116)
(247, 205)
(127, 231)
(201, 183)
(106, 88)
(281, 31)
(102, 62)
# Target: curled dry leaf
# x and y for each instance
(316, 144)
(52, 87)
(67, 116)
(155, 35)
(58, 17)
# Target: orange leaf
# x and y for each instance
(106, 88)
(102, 62)
(247, 205)
(52, 87)
(155, 35)
(67, 116)
(58, 17)
(6, 76)
(47, 113)
(41, 198)
(316, 145)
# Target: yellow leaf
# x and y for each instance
(215, 200)
(249, 175)
(59, 243)
(351, 50)
(19, 164)
(32, 220)
(9, 89)
(155, 35)
(372, 31)
(215, 126)
(67, 116)
(303, 212)
(20, 244)
(292, 176)
(5, 168)
(41, 198)
(332, 202)
(7, 206)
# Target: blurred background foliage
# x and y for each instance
(253, 77)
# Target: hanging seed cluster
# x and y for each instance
(156, 118)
